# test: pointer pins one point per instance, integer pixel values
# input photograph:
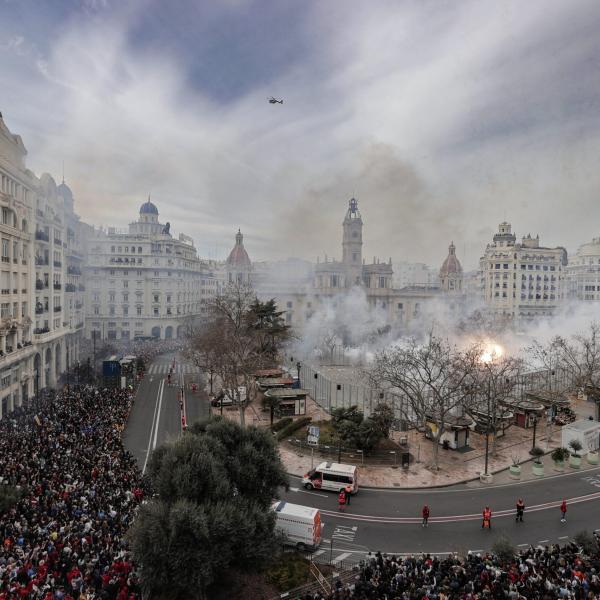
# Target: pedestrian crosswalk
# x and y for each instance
(163, 369)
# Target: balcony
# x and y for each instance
(5, 259)
(57, 286)
(57, 264)
(70, 287)
(41, 261)
(15, 291)
(40, 285)
(58, 242)
(15, 260)
(41, 330)
(40, 310)
(42, 236)
(73, 270)
(5, 292)
(24, 291)
(57, 309)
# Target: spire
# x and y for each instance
(452, 248)
(239, 238)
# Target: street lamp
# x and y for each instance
(298, 366)
(535, 417)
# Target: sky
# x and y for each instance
(443, 118)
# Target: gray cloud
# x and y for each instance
(443, 119)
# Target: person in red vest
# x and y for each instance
(563, 511)
(520, 510)
(341, 500)
(487, 518)
(425, 513)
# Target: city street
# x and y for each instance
(156, 414)
(390, 520)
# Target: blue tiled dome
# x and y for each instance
(148, 208)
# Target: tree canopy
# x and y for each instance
(214, 488)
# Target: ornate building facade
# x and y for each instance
(583, 273)
(40, 324)
(143, 282)
(522, 280)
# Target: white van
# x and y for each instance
(332, 476)
(300, 525)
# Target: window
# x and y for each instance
(111, 311)
(125, 297)
(125, 310)
(125, 284)
(156, 312)
(289, 304)
(139, 311)
(155, 297)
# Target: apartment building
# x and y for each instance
(38, 334)
(143, 282)
(522, 280)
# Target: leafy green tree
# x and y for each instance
(383, 416)
(214, 487)
(268, 326)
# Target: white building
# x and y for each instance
(413, 275)
(583, 272)
(40, 323)
(522, 280)
(143, 282)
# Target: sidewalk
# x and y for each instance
(454, 466)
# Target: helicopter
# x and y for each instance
(275, 101)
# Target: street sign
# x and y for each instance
(313, 435)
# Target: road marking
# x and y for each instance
(294, 489)
(563, 537)
(319, 552)
(522, 545)
(475, 551)
(453, 518)
(543, 542)
(341, 557)
(161, 390)
(152, 428)
(344, 533)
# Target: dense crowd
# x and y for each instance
(544, 573)
(64, 538)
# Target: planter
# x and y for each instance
(538, 469)
(592, 458)
(515, 472)
(575, 462)
(559, 465)
(486, 478)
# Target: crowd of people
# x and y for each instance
(544, 573)
(79, 489)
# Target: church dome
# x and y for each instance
(148, 208)
(238, 257)
(451, 265)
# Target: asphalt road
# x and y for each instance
(156, 414)
(390, 520)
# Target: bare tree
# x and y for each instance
(436, 378)
(498, 376)
(328, 340)
(581, 357)
(241, 336)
